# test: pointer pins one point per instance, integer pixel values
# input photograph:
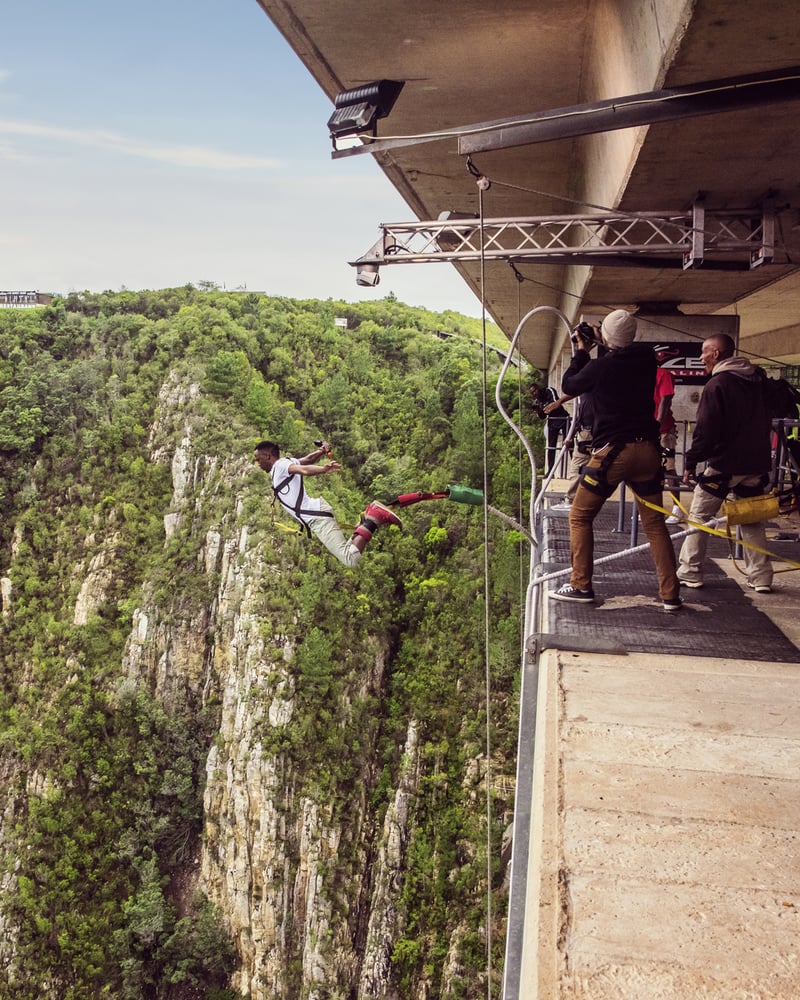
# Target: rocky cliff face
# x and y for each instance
(308, 918)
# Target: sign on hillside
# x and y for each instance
(24, 300)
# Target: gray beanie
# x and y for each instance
(619, 328)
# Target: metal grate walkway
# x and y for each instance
(719, 620)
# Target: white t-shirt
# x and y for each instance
(293, 491)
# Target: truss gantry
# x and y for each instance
(731, 240)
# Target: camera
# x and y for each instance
(584, 335)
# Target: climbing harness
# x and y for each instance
(296, 509)
(594, 477)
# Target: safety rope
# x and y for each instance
(710, 527)
(522, 581)
(483, 185)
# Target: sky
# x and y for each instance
(165, 142)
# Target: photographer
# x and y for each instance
(625, 448)
(585, 336)
(580, 437)
(556, 417)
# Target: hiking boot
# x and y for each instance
(378, 514)
(573, 594)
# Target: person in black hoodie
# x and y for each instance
(625, 439)
(732, 436)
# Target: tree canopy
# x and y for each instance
(106, 783)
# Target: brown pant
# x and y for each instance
(638, 462)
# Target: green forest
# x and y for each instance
(104, 775)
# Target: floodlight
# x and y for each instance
(368, 264)
(367, 274)
(357, 110)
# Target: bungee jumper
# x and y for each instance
(315, 514)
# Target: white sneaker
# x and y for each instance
(564, 505)
(675, 517)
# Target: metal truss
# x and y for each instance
(731, 240)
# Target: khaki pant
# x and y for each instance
(705, 505)
(638, 462)
(577, 461)
(332, 537)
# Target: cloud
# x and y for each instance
(5, 74)
(200, 157)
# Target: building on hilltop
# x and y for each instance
(24, 300)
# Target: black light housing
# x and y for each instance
(357, 110)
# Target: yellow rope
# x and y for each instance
(724, 534)
(289, 528)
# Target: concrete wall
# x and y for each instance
(633, 43)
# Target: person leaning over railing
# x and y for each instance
(547, 408)
(580, 437)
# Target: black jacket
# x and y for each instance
(551, 396)
(621, 384)
(732, 431)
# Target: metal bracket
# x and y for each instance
(694, 255)
(765, 254)
(670, 104)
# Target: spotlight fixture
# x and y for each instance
(368, 275)
(368, 264)
(357, 110)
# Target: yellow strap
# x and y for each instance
(289, 528)
(292, 529)
(724, 534)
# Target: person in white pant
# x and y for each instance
(315, 513)
(732, 436)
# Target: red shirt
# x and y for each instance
(664, 387)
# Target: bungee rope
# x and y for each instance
(459, 494)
